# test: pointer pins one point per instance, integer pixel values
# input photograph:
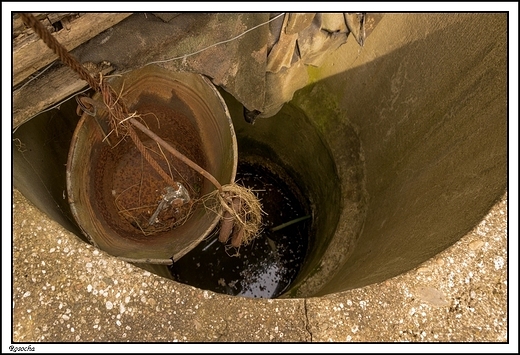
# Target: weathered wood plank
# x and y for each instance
(35, 55)
(52, 87)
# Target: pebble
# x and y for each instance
(499, 262)
(432, 296)
(477, 244)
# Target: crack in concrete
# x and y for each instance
(307, 327)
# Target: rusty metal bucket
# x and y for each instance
(111, 188)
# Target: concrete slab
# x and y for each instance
(458, 296)
(67, 291)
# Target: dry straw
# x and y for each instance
(239, 208)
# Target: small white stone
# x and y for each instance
(499, 263)
(109, 305)
(423, 270)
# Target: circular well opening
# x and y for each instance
(289, 164)
(284, 153)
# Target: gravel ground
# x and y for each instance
(65, 291)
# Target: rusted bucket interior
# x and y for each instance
(114, 192)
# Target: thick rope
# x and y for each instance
(176, 153)
(246, 215)
(60, 51)
(142, 149)
(116, 108)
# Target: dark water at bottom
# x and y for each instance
(267, 266)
